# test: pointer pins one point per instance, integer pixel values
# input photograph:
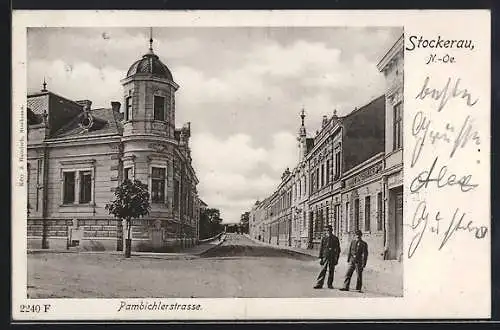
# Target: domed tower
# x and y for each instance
(149, 97)
(149, 143)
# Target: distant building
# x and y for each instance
(78, 155)
(314, 194)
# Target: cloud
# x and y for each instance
(77, 81)
(284, 152)
(231, 170)
(234, 155)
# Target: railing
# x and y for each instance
(213, 238)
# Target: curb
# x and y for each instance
(153, 255)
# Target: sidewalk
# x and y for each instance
(189, 253)
(383, 276)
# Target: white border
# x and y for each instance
(457, 289)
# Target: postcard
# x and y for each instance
(251, 165)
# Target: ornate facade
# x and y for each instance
(78, 155)
(392, 66)
(349, 176)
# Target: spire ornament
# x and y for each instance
(44, 89)
(151, 40)
(302, 116)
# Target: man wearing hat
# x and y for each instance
(329, 252)
(357, 257)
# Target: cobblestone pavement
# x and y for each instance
(238, 267)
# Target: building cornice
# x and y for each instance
(322, 136)
(149, 138)
(393, 51)
(363, 166)
(84, 140)
(149, 77)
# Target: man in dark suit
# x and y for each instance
(357, 257)
(329, 252)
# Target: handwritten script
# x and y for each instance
(442, 140)
(441, 226)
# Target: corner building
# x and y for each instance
(392, 66)
(77, 156)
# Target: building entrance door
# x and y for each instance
(398, 215)
(157, 238)
(399, 223)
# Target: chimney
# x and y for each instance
(325, 121)
(85, 103)
(115, 106)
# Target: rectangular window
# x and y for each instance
(337, 165)
(159, 108)
(322, 175)
(367, 213)
(128, 108)
(158, 185)
(85, 187)
(127, 173)
(398, 127)
(347, 218)
(69, 188)
(356, 214)
(327, 171)
(327, 216)
(379, 211)
(317, 178)
(336, 214)
(176, 194)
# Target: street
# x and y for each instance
(238, 267)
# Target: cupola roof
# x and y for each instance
(150, 64)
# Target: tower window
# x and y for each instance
(128, 108)
(127, 173)
(158, 185)
(159, 108)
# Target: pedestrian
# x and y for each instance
(329, 252)
(357, 257)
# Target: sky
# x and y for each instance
(242, 89)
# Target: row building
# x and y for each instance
(349, 176)
(78, 155)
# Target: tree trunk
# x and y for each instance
(128, 241)
(119, 235)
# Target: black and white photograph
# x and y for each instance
(267, 159)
